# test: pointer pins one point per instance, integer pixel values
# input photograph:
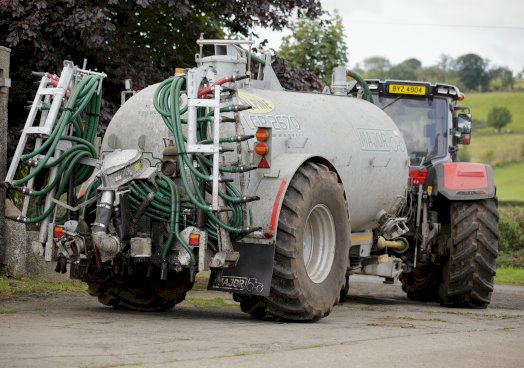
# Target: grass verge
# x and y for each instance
(28, 285)
(215, 303)
(510, 276)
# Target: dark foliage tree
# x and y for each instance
(472, 71)
(139, 39)
(405, 70)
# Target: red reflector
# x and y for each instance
(263, 164)
(268, 234)
(418, 177)
(466, 139)
(262, 135)
(58, 232)
(261, 148)
(194, 240)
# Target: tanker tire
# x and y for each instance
(468, 273)
(144, 295)
(422, 283)
(293, 295)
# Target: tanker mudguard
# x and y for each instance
(273, 186)
(463, 181)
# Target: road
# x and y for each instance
(375, 327)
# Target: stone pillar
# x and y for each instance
(5, 83)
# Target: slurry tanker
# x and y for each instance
(280, 195)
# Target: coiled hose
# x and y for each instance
(166, 202)
(80, 117)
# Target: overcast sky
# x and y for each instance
(400, 29)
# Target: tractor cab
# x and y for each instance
(427, 116)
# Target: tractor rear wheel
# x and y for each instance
(470, 266)
(141, 294)
(311, 250)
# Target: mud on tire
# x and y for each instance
(306, 289)
(422, 283)
(141, 294)
(469, 271)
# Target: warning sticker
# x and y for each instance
(259, 105)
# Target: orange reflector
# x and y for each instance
(58, 232)
(179, 71)
(461, 96)
(194, 239)
(262, 135)
(261, 148)
(263, 164)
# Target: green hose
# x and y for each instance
(78, 124)
(367, 93)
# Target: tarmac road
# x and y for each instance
(377, 326)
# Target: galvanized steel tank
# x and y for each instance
(356, 137)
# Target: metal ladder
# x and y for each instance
(44, 95)
(54, 98)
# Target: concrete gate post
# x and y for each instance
(5, 83)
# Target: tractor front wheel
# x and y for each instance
(470, 263)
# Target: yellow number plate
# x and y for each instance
(406, 89)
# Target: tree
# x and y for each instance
(501, 79)
(405, 70)
(377, 67)
(139, 39)
(499, 117)
(317, 45)
(472, 72)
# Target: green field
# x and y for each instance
(510, 181)
(481, 103)
(505, 151)
(510, 276)
(495, 149)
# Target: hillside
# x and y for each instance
(510, 182)
(505, 152)
(481, 103)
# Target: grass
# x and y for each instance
(481, 103)
(495, 149)
(510, 181)
(510, 276)
(7, 310)
(29, 285)
(215, 303)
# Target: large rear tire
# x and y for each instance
(311, 250)
(470, 267)
(144, 294)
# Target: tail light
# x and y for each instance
(194, 239)
(58, 232)
(263, 148)
(262, 135)
(417, 176)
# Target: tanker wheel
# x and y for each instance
(469, 271)
(145, 295)
(422, 283)
(311, 250)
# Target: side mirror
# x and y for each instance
(463, 129)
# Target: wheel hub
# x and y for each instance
(319, 243)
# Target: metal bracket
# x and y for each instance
(74, 209)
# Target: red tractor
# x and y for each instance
(449, 252)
